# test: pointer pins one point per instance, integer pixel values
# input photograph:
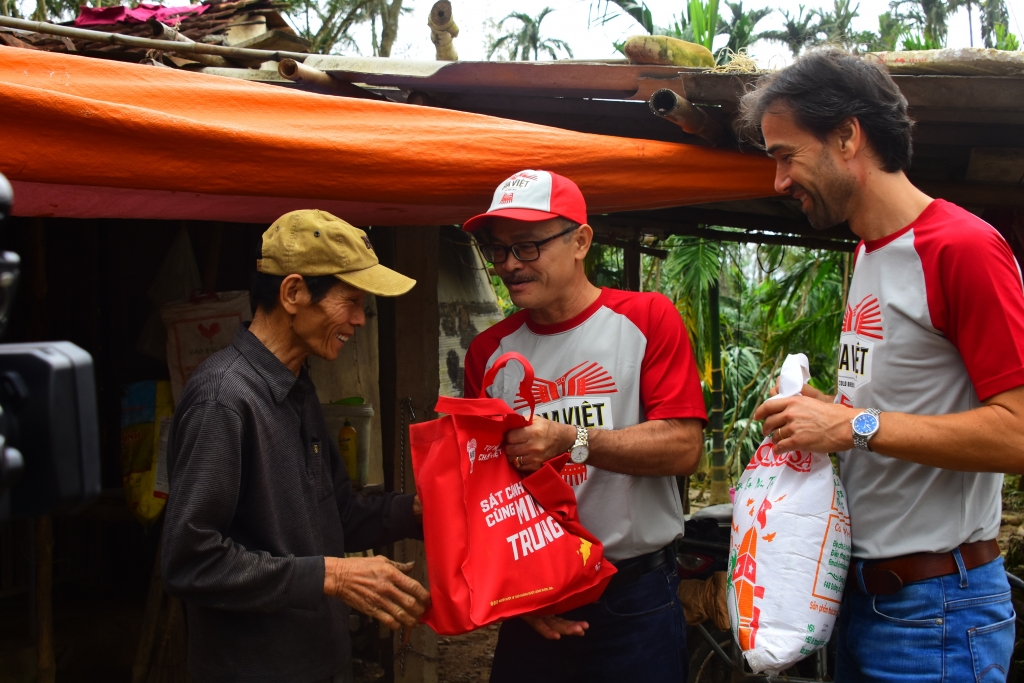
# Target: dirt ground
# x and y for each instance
(467, 658)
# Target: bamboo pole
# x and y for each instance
(669, 105)
(162, 31)
(298, 72)
(236, 53)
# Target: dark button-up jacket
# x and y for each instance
(258, 496)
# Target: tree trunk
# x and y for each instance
(719, 480)
(389, 26)
(40, 14)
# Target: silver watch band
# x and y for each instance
(861, 441)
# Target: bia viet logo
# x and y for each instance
(862, 329)
(865, 318)
(580, 397)
(507, 198)
(586, 379)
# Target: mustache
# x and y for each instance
(518, 280)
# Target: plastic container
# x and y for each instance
(359, 417)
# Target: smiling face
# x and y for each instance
(324, 327)
(812, 170)
(539, 284)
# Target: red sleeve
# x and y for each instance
(975, 298)
(669, 383)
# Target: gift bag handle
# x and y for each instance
(525, 387)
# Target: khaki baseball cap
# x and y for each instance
(313, 242)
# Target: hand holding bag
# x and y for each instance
(498, 545)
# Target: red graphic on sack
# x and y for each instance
(767, 457)
(507, 198)
(865, 318)
(209, 332)
(744, 580)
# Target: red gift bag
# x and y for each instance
(498, 544)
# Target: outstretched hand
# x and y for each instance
(553, 628)
(378, 587)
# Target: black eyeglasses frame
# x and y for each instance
(513, 248)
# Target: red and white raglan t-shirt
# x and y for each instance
(623, 360)
(934, 325)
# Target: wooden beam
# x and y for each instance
(409, 328)
(974, 194)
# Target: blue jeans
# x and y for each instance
(951, 629)
(637, 633)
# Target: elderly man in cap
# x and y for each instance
(617, 386)
(261, 511)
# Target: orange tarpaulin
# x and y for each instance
(93, 138)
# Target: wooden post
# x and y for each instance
(409, 328)
(46, 665)
(719, 478)
(631, 266)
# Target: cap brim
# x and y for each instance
(526, 215)
(378, 280)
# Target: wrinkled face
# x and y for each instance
(808, 168)
(324, 327)
(536, 284)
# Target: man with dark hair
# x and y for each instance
(261, 511)
(930, 403)
(616, 386)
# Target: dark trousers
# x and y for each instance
(637, 633)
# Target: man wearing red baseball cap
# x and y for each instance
(617, 387)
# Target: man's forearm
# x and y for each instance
(656, 448)
(987, 439)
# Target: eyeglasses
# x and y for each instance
(524, 251)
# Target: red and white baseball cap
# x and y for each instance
(533, 196)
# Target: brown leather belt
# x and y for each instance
(889, 576)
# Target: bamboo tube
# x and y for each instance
(236, 53)
(680, 111)
(300, 73)
(162, 31)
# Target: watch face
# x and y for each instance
(579, 454)
(865, 423)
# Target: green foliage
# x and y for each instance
(1006, 40)
(526, 42)
(798, 32)
(702, 18)
(740, 28)
(917, 41)
(796, 306)
(993, 13)
(638, 10)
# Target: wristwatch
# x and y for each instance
(581, 449)
(864, 427)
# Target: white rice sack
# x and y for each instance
(790, 549)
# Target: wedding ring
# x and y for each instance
(519, 462)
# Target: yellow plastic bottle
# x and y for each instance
(348, 445)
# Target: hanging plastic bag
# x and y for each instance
(146, 413)
(790, 549)
(199, 328)
(498, 545)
